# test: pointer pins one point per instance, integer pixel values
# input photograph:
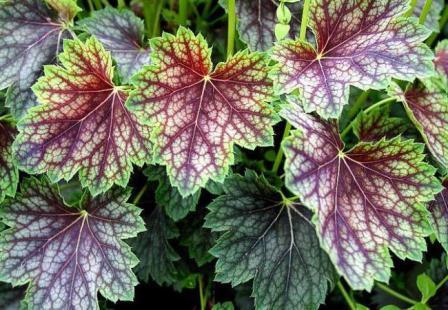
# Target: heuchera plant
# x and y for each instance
(151, 141)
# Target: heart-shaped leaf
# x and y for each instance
(270, 241)
(121, 33)
(361, 43)
(367, 200)
(68, 254)
(82, 122)
(197, 113)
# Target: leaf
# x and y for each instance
(11, 296)
(82, 123)
(228, 305)
(67, 8)
(176, 207)
(268, 241)
(432, 19)
(367, 200)
(198, 114)
(9, 174)
(426, 286)
(362, 43)
(439, 216)
(441, 60)
(152, 247)
(68, 254)
(121, 33)
(257, 20)
(198, 240)
(378, 124)
(30, 37)
(427, 107)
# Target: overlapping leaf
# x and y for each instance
(377, 124)
(30, 37)
(198, 114)
(441, 60)
(433, 16)
(121, 33)
(427, 106)
(367, 200)
(439, 216)
(156, 254)
(68, 254)
(175, 206)
(361, 43)
(268, 241)
(82, 123)
(257, 20)
(9, 174)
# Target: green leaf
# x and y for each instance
(10, 297)
(9, 174)
(390, 307)
(426, 286)
(198, 240)
(152, 247)
(68, 254)
(269, 241)
(176, 206)
(228, 305)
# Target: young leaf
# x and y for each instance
(432, 19)
(228, 305)
(121, 33)
(30, 37)
(257, 20)
(427, 107)
(378, 124)
(176, 206)
(441, 60)
(82, 123)
(67, 9)
(426, 286)
(9, 174)
(198, 114)
(439, 216)
(68, 254)
(152, 247)
(361, 43)
(269, 241)
(367, 200)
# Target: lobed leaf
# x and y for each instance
(9, 174)
(121, 33)
(268, 241)
(157, 256)
(439, 216)
(377, 124)
(30, 37)
(82, 123)
(427, 107)
(68, 254)
(198, 114)
(257, 20)
(363, 43)
(367, 200)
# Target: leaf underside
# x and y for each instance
(30, 37)
(121, 33)
(367, 200)
(362, 43)
(68, 254)
(82, 122)
(269, 242)
(197, 113)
